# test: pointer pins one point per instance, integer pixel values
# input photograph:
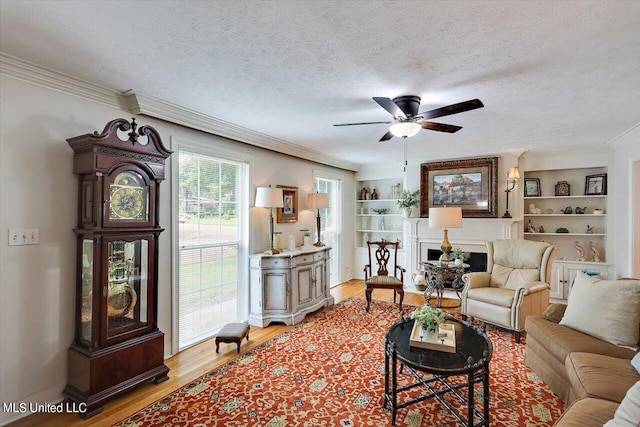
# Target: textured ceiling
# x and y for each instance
(552, 74)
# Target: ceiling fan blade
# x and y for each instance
(387, 136)
(363, 123)
(440, 127)
(452, 109)
(390, 106)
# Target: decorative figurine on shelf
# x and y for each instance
(589, 229)
(363, 193)
(580, 210)
(568, 210)
(530, 227)
(541, 229)
(374, 195)
(534, 210)
(580, 250)
(596, 252)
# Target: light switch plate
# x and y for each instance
(24, 236)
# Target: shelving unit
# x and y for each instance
(552, 218)
(373, 226)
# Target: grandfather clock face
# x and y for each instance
(129, 198)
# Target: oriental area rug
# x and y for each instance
(329, 371)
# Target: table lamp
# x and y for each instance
(267, 197)
(445, 218)
(318, 201)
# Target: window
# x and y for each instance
(209, 236)
(331, 225)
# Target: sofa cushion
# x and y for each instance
(559, 340)
(599, 376)
(494, 296)
(605, 309)
(628, 413)
(587, 412)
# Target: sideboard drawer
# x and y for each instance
(275, 262)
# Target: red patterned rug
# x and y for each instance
(329, 371)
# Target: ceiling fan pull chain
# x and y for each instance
(405, 153)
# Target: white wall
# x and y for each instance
(627, 193)
(39, 190)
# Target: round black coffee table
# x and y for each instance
(471, 359)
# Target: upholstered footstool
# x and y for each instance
(232, 333)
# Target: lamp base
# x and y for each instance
(319, 244)
(445, 258)
(272, 252)
(506, 215)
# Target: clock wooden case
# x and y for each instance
(117, 342)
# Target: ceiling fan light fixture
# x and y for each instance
(405, 129)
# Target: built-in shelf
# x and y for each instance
(590, 196)
(565, 215)
(577, 224)
(564, 234)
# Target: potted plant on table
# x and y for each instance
(407, 200)
(428, 318)
(459, 256)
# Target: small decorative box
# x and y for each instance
(562, 188)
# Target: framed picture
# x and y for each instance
(596, 184)
(532, 187)
(288, 213)
(467, 183)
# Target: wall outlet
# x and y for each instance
(24, 236)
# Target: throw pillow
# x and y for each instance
(628, 413)
(606, 309)
(554, 312)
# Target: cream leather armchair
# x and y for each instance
(515, 285)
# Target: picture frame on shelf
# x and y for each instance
(289, 211)
(470, 184)
(532, 187)
(595, 185)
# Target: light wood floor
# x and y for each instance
(190, 364)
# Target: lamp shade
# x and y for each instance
(267, 197)
(445, 217)
(317, 201)
(403, 129)
(514, 174)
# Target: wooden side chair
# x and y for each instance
(387, 275)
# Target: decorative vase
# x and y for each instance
(407, 212)
(418, 280)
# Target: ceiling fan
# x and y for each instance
(408, 122)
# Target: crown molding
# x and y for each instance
(630, 135)
(139, 103)
(31, 73)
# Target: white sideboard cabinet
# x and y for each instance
(288, 286)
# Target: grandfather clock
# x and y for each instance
(117, 342)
